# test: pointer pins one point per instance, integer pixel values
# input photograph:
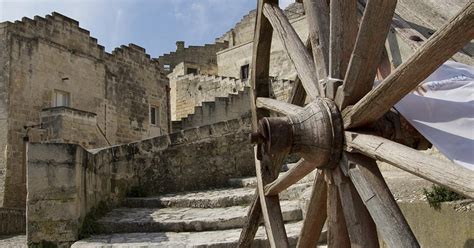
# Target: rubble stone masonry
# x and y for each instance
(42, 56)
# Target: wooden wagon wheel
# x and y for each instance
(337, 77)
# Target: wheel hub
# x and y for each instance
(315, 133)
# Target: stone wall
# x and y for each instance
(229, 61)
(193, 90)
(12, 221)
(52, 54)
(235, 106)
(205, 55)
(4, 79)
(65, 181)
(182, 69)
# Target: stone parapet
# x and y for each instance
(66, 181)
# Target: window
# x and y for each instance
(154, 115)
(244, 72)
(61, 99)
(191, 71)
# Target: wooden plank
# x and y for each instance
(295, 48)
(260, 81)
(365, 58)
(270, 205)
(439, 48)
(317, 16)
(343, 33)
(296, 173)
(378, 199)
(360, 226)
(448, 174)
(278, 106)
(316, 214)
(337, 229)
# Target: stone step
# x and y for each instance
(207, 239)
(202, 199)
(252, 181)
(218, 198)
(129, 220)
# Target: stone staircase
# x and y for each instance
(211, 218)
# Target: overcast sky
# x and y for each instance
(153, 24)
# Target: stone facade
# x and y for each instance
(47, 58)
(65, 181)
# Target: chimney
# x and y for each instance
(179, 45)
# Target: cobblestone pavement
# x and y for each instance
(18, 241)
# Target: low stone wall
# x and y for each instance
(65, 181)
(12, 221)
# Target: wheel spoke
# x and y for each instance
(316, 214)
(296, 173)
(295, 48)
(361, 227)
(337, 230)
(317, 16)
(439, 48)
(448, 174)
(343, 33)
(378, 199)
(365, 58)
(270, 205)
(277, 106)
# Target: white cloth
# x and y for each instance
(442, 110)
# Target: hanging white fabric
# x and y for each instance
(442, 110)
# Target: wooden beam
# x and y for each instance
(316, 214)
(296, 173)
(270, 205)
(360, 226)
(448, 174)
(343, 33)
(378, 199)
(277, 106)
(317, 17)
(337, 228)
(360, 75)
(260, 81)
(295, 48)
(439, 48)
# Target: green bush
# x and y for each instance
(439, 194)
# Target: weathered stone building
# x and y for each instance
(57, 84)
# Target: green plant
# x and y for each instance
(89, 224)
(438, 194)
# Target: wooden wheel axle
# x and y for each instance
(315, 133)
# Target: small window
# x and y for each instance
(61, 99)
(154, 115)
(244, 72)
(191, 71)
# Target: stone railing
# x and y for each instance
(66, 181)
